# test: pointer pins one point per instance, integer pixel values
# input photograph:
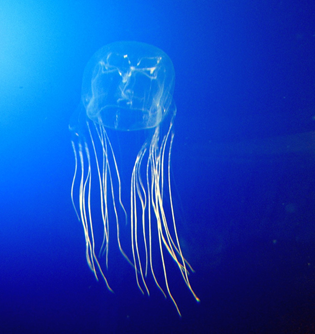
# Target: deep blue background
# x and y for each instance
(243, 163)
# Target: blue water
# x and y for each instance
(243, 167)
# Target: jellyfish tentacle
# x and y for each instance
(105, 135)
(172, 246)
(135, 192)
(184, 270)
(103, 195)
(74, 177)
(143, 200)
(150, 195)
(155, 200)
(85, 210)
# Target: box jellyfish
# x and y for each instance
(127, 87)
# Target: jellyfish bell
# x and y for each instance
(127, 87)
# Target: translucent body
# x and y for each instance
(127, 86)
